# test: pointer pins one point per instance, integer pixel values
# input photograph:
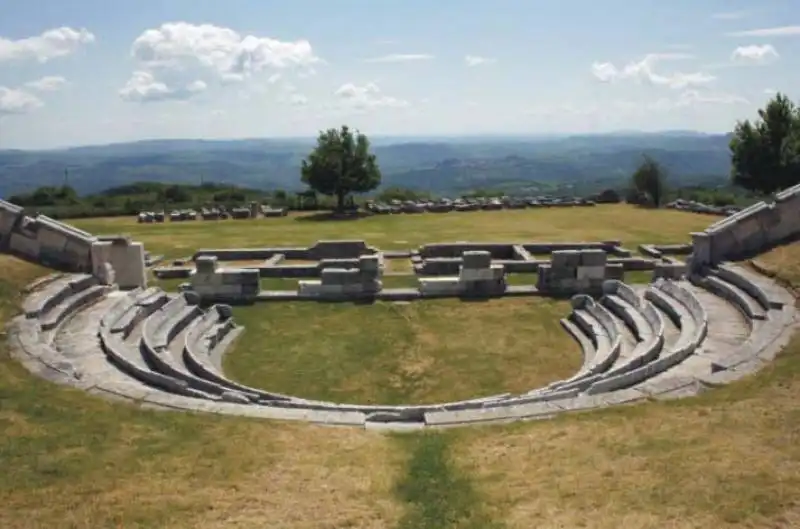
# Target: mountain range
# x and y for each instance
(439, 165)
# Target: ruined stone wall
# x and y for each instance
(58, 245)
(751, 231)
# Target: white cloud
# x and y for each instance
(755, 54)
(782, 31)
(50, 83)
(17, 101)
(730, 15)
(402, 57)
(695, 98)
(51, 44)
(476, 60)
(643, 71)
(770, 91)
(174, 53)
(143, 87)
(367, 97)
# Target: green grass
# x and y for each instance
(728, 459)
(439, 494)
(419, 352)
(605, 222)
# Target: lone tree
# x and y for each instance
(340, 165)
(650, 180)
(766, 153)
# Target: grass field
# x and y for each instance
(605, 222)
(729, 458)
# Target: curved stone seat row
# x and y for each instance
(171, 348)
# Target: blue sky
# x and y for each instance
(93, 71)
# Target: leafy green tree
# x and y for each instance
(341, 164)
(766, 153)
(649, 180)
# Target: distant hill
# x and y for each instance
(437, 165)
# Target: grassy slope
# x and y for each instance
(729, 458)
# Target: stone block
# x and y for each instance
(565, 259)
(340, 276)
(476, 259)
(206, 263)
(590, 272)
(561, 273)
(482, 274)
(595, 257)
(24, 245)
(369, 262)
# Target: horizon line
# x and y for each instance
(487, 135)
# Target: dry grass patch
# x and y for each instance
(712, 461)
(398, 266)
(727, 458)
(784, 262)
(418, 352)
(603, 222)
(70, 459)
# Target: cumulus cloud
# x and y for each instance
(402, 57)
(644, 71)
(223, 51)
(51, 44)
(368, 96)
(13, 101)
(175, 52)
(476, 60)
(143, 87)
(50, 83)
(781, 31)
(755, 54)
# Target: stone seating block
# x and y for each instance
(239, 276)
(370, 263)
(565, 259)
(493, 273)
(476, 259)
(590, 272)
(206, 264)
(593, 257)
(340, 276)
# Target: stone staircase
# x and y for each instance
(665, 340)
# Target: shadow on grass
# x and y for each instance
(438, 496)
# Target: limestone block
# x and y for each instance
(615, 271)
(595, 257)
(439, 285)
(233, 291)
(24, 245)
(231, 276)
(591, 272)
(339, 276)
(106, 274)
(206, 263)
(701, 248)
(370, 262)
(565, 259)
(560, 273)
(129, 264)
(482, 274)
(51, 240)
(476, 259)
